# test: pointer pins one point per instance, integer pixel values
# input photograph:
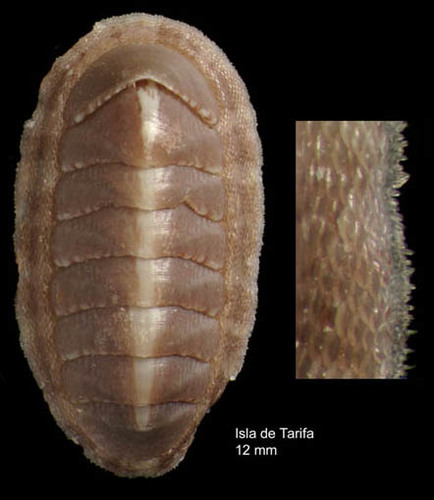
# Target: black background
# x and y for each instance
(297, 64)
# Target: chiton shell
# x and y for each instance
(352, 270)
(139, 217)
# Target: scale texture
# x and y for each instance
(139, 218)
(352, 273)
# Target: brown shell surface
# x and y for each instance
(352, 273)
(139, 218)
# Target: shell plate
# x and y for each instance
(139, 217)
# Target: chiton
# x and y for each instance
(139, 219)
(352, 270)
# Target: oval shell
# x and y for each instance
(139, 216)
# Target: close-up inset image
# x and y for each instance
(352, 267)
